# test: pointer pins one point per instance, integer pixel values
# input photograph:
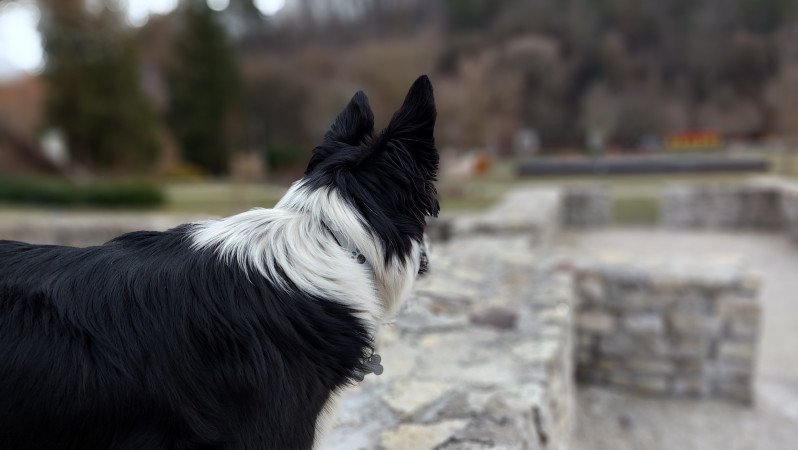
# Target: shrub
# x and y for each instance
(64, 193)
(280, 156)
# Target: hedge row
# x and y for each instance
(64, 193)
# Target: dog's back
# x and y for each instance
(226, 334)
(123, 346)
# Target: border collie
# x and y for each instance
(225, 334)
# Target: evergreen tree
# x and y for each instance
(94, 93)
(204, 87)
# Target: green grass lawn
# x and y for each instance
(635, 195)
(220, 198)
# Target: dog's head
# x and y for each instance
(387, 179)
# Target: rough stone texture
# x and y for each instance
(586, 207)
(614, 419)
(453, 384)
(82, 229)
(755, 205)
(789, 204)
(483, 357)
(534, 213)
(789, 201)
(676, 328)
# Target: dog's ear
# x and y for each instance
(411, 130)
(353, 126)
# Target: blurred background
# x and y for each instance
(146, 113)
(162, 93)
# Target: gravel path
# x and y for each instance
(617, 421)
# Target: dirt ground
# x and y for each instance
(608, 420)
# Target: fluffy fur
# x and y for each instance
(227, 334)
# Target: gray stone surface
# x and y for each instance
(611, 419)
(721, 207)
(531, 212)
(673, 326)
(586, 206)
(619, 420)
(81, 228)
(788, 191)
(481, 357)
(453, 384)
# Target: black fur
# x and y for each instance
(145, 343)
(389, 177)
(148, 343)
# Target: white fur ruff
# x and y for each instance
(290, 243)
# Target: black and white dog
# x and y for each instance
(226, 334)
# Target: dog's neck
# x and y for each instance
(347, 244)
(371, 363)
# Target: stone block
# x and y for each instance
(608, 364)
(637, 300)
(622, 379)
(596, 322)
(584, 357)
(591, 289)
(741, 309)
(667, 283)
(736, 391)
(742, 329)
(694, 301)
(499, 318)
(730, 370)
(586, 206)
(585, 340)
(536, 352)
(417, 436)
(650, 366)
(644, 323)
(739, 351)
(694, 386)
(617, 344)
(690, 366)
(690, 347)
(691, 324)
(651, 384)
(749, 285)
(408, 397)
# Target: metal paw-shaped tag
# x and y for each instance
(370, 365)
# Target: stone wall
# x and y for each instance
(788, 192)
(746, 206)
(789, 205)
(82, 229)
(482, 358)
(534, 213)
(671, 329)
(763, 203)
(586, 207)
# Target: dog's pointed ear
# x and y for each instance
(414, 122)
(354, 123)
(410, 133)
(410, 138)
(351, 128)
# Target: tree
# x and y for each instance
(94, 94)
(204, 86)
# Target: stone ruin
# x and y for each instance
(488, 352)
(671, 328)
